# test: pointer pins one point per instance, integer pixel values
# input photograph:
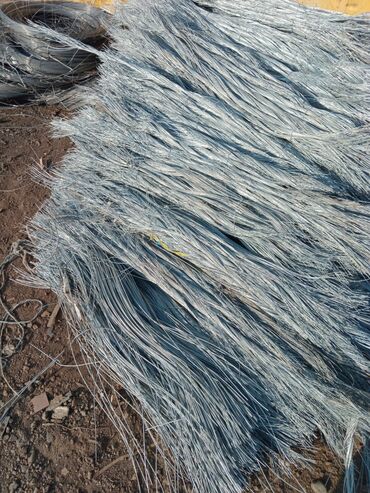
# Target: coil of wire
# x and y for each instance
(32, 61)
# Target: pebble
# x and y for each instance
(31, 457)
(64, 471)
(60, 413)
(40, 402)
(8, 350)
(21, 435)
(14, 486)
(318, 487)
(21, 447)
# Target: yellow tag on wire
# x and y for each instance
(164, 245)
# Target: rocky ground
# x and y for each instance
(55, 437)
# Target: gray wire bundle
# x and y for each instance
(209, 234)
(33, 63)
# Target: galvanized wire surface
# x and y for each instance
(209, 235)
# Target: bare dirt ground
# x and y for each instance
(80, 451)
(38, 454)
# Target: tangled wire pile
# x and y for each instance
(32, 62)
(209, 235)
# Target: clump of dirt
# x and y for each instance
(72, 447)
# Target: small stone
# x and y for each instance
(21, 435)
(14, 486)
(40, 402)
(8, 350)
(89, 475)
(58, 400)
(60, 413)
(318, 487)
(64, 471)
(31, 457)
(82, 412)
(21, 447)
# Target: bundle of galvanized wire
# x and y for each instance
(209, 234)
(32, 62)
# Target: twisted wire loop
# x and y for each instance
(32, 64)
(209, 234)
